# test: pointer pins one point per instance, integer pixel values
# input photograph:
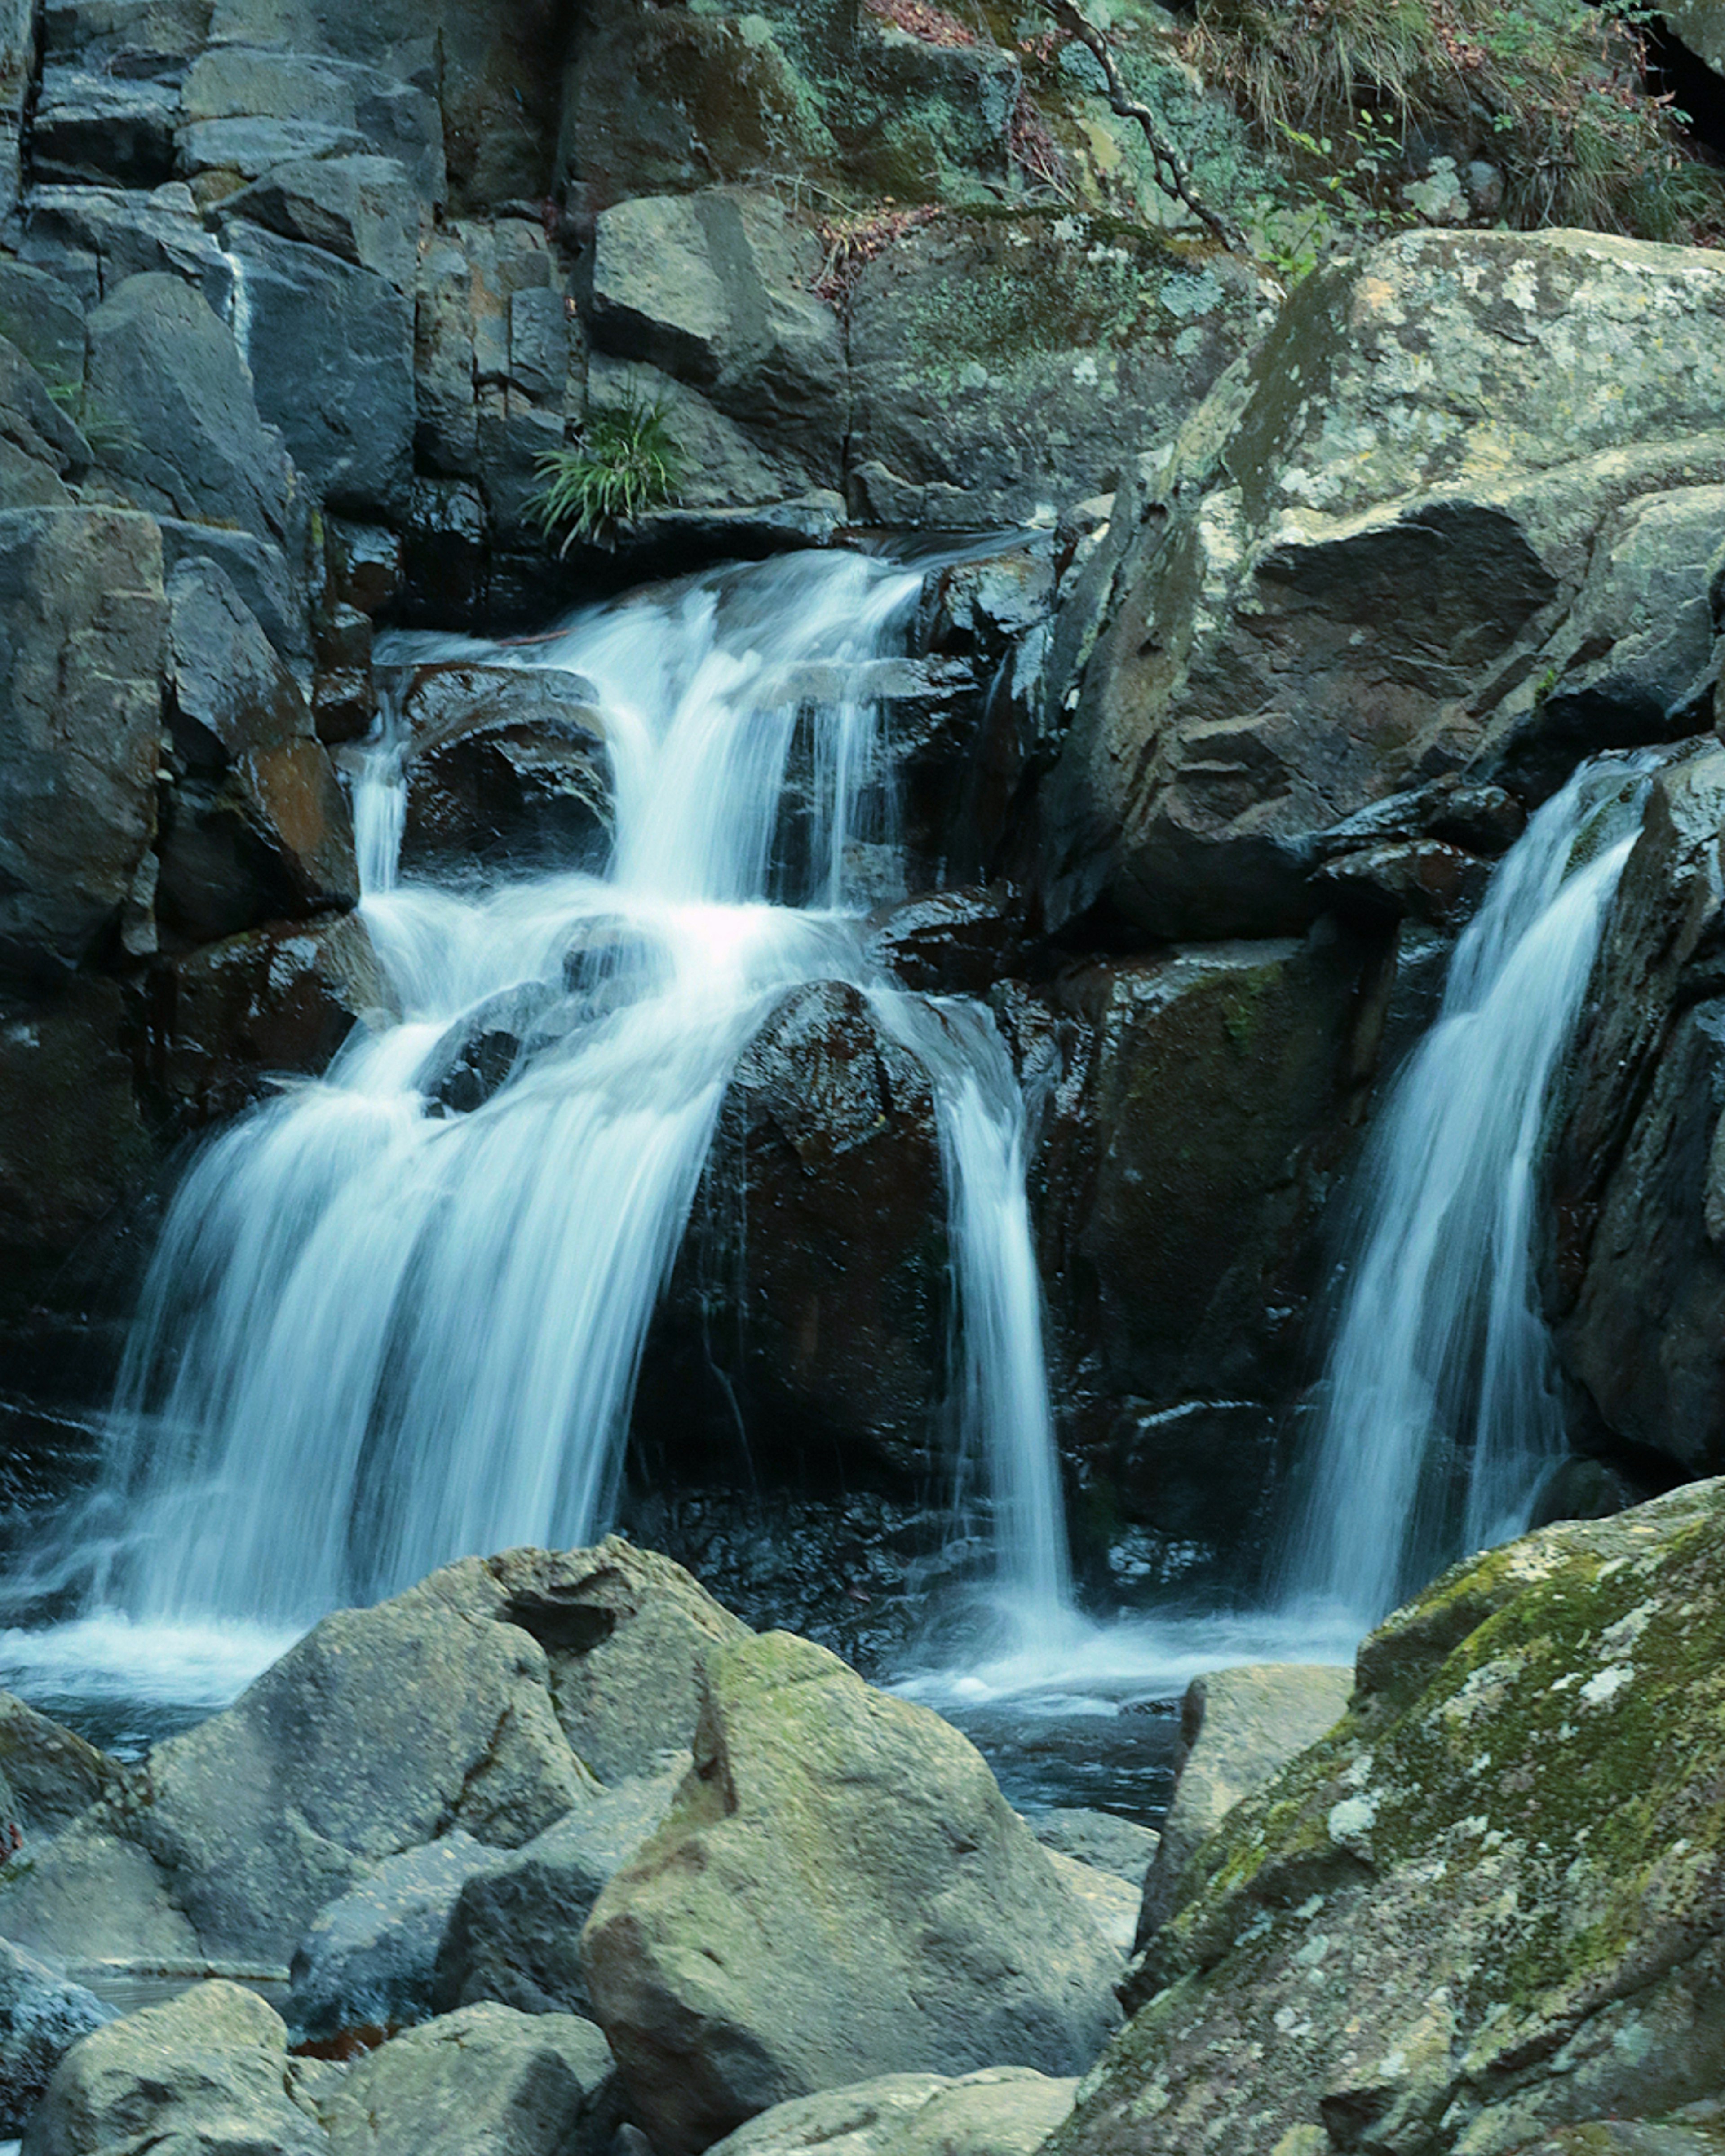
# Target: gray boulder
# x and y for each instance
(208, 2071)
(1001, 2111)
(840, 1891)
(41, 2017)
(481, 2083)
(48, 1774)
(182, 435)
(514, 1928)
(1102, 1839)
(1238, 1728)
(40, 447)
(369, 1957)
(1319, 540)
(339, 377)
(363, 209)
(93, 238)
(83, 619)
(42, 318)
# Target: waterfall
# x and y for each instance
(1440, 1406)
(378, 1335)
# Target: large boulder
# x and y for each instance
(208, 2070)
(485, 2082)
(1351, 573)
(1483, 1908)
(1635, 1266)
(1000, 2111)
(181, 433)
(840, 1891)
(83, 617)
(1238, 1728)
(48, 1775)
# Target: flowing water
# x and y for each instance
(1441, 1407)
(378, 1335)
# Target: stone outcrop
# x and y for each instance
(41, 2017)
(840, 1891)
(1484, 1907)
(1002, 2111)
(1354, 572)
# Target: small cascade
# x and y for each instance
(1440, 1403)
(378, 1334)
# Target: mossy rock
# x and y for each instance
(1484, 1907)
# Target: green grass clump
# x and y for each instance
(624, 462)
(1551, 92)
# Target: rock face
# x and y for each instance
(48, 1775)
(1354, 572)
(1481, 1909)
(1634, 1274)
(1238, 1728)
(840, 1891)
(41, 2017)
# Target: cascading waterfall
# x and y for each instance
(1440, 1407)
(377, 1336)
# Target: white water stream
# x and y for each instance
(1441, 1408)
(375, 1335)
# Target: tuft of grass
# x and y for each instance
(625, 461)
(1551, 92)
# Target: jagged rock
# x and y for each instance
(363, 209)
(1002, 2111)
(90, 127)
(949, 943)
(514, 1931)
(248, 110)
(220, 1022)
(840, 1891)
(42, 317)
(208, 2070)
(482, 2082)
(339, 380)
(1481, 1909)
(368, 1960)
(83, 619)
(1238, 1728)
(1100, 1838)
(183, 435)
(230, 691)
(40, 447)
(991, 360)
(713, 290)
(1635, 1270)
(821, 1224)
(17, 72)
(48, 1774)
(1418, 879)
(506, 763)
(1383, 518)
(41, 2017)
(93, 238)
(258, 571)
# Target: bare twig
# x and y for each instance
(1171, 174)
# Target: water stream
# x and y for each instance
(1441, 1408)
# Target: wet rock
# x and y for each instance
(1276, 572)
(85, 617)
(991, 359)
(48, 1775)
(40, 447)
(364, 210)
(209, 2070)
(258, 571)
(506, 764)
(90, 127)
(1421, 879)
(223, 1021)
(822, 1225)
(949, 942)
(1476, 1911)
(514, 1931)
(229, 690)
(368, 1959)
(184, 435)
(95, 238)
(41, 2017)
(713, 290)
(339, 382)
(1002, 2111)
(1099, 1839)
(481, 2083)
(840, 1891)
(1238, 1728)
(1635, 1273)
